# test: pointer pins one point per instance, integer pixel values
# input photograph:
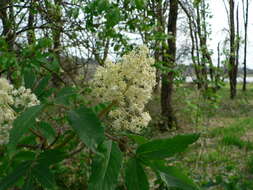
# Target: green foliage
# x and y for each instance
(138, 139)
(250, 164)
(43, 175)
(29, 78)
(106, 167)
(164, 148)
(196, 2)
(47, 131)
(174, 177)
(65, 138)
(65, 95)
(87, 126)
(136, 178)
(152, 154)
(22, 124)
(17, 173)
(140, 4)
(37, 168)
(40, 89)
(236, 141)
(28, 184)
(34, 168)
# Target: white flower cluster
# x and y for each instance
(129, 83)
(24, 97)
(9, 98)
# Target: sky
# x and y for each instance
(219, 25)
(220, 21)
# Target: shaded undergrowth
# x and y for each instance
(223, 157)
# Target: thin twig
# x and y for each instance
(76, 151)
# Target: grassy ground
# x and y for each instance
(222, 159)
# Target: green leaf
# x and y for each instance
(64, 95)
(53, 65)
(100, 107)
(28, 183)
(113, 17)
(50, 157)
(75, 12)
(138, 139)
(28, 139)
(196, 2)
(44, 176)
(140, 4)
(24, 155)
(29, 78)
(87, 125)
(40, 88)
(23, 123)
(43, 43)
(106, 168)
(163, 148)
(47, 131)
(173, 177)
(102, 5)
(17, 174)
(136, 178)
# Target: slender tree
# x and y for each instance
(237, 43)
(245, 19)
(232, 54)
(31, 19)
(206, 73)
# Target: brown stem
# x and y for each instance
(66, 140)
(76, 151)
(105, 111)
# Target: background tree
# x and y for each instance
(245, 5)
(232, 67)
(207, 75)
(169, 59)
(156, 23)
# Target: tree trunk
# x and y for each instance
(8, 23)
(245, 18)
(158, 75)
(169, 59)
(217, 75)
(237, 40)
(232, 64)
(30, 25)
(195, 59)
(159, 16)
(206, 55)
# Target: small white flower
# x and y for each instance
(129, 83)
(9, 96)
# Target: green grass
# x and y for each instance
(230, 140)
(225, 149)
(238, 128)
(249, 164)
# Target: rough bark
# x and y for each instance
(237, 40)
(232, 61)
(159, 16)
(8, 22)
(245, 18)
(218, 76)
(30, 24)
(206, 57)
(169, 60)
